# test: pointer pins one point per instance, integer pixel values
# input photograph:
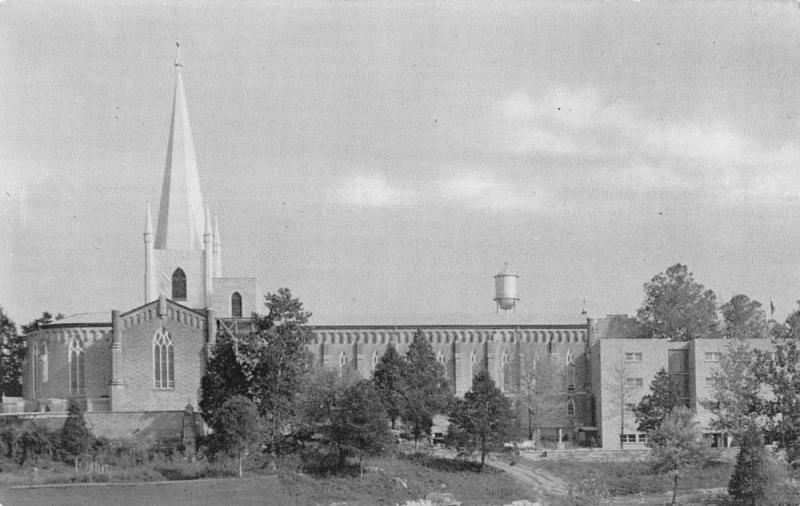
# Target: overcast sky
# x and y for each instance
(388, 158)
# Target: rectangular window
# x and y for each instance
(633, 357)
(634, 382)
(712, 356)
(678, 369)
(642, 438)
(630, 406)
(627, 438)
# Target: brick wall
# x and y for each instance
(188, 336)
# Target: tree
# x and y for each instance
(266, 365)
(12, 352)
(780, 374)
(743, 318)
(390, 383)
(40, 322)
(359, 426)
(751, 478)
(75, 437)
(791, 328)
(677, 445)
(426, 392)
(223, 379)
(343, 416)
(735, 391)
(541, 394)
(656, 405)
(617, 383)
(13, 348)
(676, 307)
(483, 420)
(237, 427)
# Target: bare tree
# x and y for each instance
(621, 394)
(541, 397)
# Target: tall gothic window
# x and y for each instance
(179, 284)
(236, 305)
(163, 360)
(77, 368)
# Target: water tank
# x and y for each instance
(506, 293)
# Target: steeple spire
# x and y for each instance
(217, 250)
(148, 222)
(181, 222)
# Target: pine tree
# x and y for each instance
(483, 420)
(426, 392)
(359, 423)
(677, 445)
(750, 479)
(75, 436)
(389, 382)
(656, 405)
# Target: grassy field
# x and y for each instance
(421, 475)
(626, 478)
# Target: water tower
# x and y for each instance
(506, 293)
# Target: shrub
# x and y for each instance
(750, 478)
(75, 438)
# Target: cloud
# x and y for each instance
(481, 190)
(371, 191)
(632, 151)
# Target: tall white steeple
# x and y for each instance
(181, 221)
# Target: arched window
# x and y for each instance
(77, 368)
(179, 284)
(375, 359)
(163, 360)
(342, 362)
(571, 408)
(440, 357)
(236, 305)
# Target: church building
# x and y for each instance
(128, 368)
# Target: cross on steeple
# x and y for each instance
(178, 62)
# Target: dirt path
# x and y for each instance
(538, 479)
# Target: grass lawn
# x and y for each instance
(625, 478)
(422, 474)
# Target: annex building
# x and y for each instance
(137, 371)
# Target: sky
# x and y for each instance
(387, 158)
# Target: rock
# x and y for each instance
(442, 499)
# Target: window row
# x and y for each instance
(163, 364)
(633, 438)
(76, 366)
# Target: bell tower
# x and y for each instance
(177, 264)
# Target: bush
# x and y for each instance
(33, 443)
(750, 479)
(75, 437)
